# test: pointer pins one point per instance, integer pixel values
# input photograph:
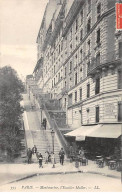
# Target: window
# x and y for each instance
(52, 84)
(76, 25)
(120, 79)
(65, 102)
(70, 33)
(120, 49)
(61, 45)
(89, 46)
(81, 15)
(81, 94)
(87, 115)
(98, 11)
(76, 78)
(59, 49)
(81, 34)
(119, 111)
(54, 69)
(54, 57)
(59, 76)
(98, 59)
(54, 81)
(89, 25)
(65, 83)
(75, 96)
(98, 37)
(97, 86)
(81, 54)
(70, 47)
(70, 66)
(65, 71)
(70, 99)
(97, 114)
(65, 42)
(88, 90)
(89, 6)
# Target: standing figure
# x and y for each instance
(34, 150)
(45, 123)
(46, 157)
(29, 155)
(71, 153)
(40, 157)
(61, 155)
(81, 153)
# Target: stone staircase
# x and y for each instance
(39, 141)
(35, 136)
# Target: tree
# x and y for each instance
(11, 88)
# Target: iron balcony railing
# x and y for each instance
(110, 58)
(64, 91)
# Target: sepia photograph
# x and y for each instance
(60, 95)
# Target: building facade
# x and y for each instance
(80, 60)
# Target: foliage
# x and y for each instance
(11, 88)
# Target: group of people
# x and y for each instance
(73, 152)
(49, 157)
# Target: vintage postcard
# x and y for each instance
(60, 95)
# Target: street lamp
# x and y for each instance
(53, 135)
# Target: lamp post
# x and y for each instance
(53, 135)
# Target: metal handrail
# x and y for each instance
(54, 125)
(62, 139)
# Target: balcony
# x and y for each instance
(47, 37)
(64, 91)
(105, 61)
(58, 24)
(76, 6)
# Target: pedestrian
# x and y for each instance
(34, 150)
(81, 153)
(61, 155)
(45, 123)
(40, 157)
(71, 153)
(49, 157)
(46, 157)
(29, 155)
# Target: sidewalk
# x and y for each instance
(15, 172)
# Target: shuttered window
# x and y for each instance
(88, 90)
(97, 114)
(76, 96)
(120, 50)
(120, 111)
(97, 86)
(120, 79)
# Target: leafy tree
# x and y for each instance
(11, 111)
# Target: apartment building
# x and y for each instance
(80, 57)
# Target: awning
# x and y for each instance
(82, 132)
(107, 131)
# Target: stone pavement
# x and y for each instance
(15, 172)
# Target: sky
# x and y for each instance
(20, 21)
